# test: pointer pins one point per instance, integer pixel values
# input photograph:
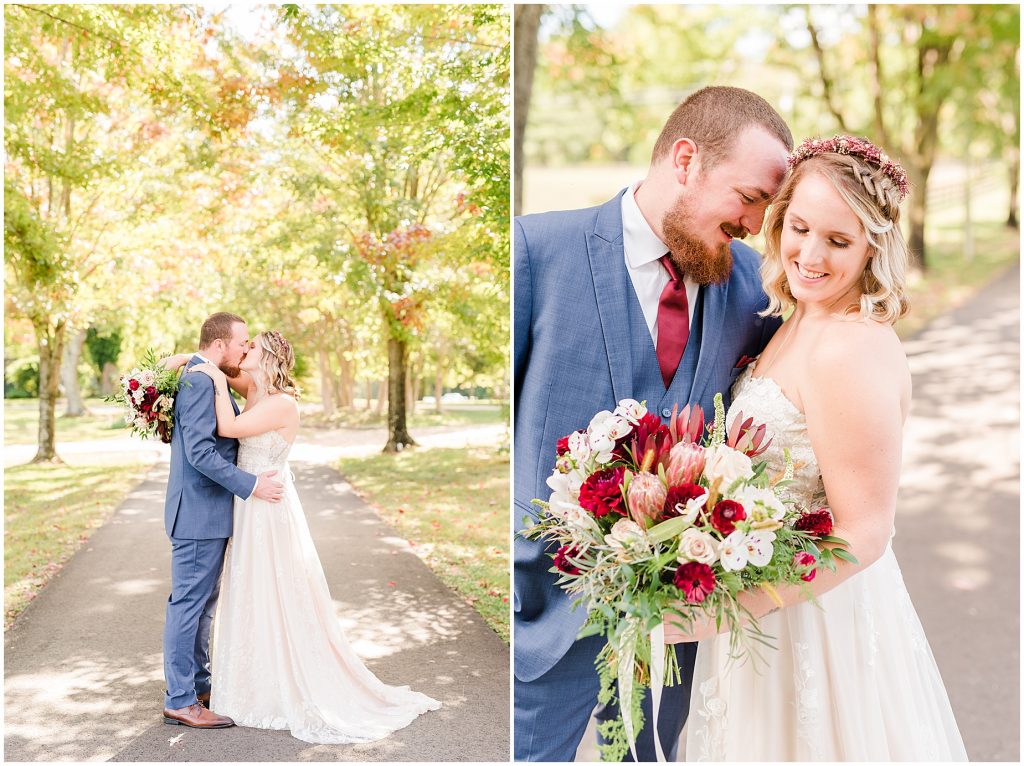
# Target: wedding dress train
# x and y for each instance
(853, 680)
(280, 658)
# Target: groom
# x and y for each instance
(647, 297)
(198, 519)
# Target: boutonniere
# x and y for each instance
(744, 361)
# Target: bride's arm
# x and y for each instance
(270, 415)
(852, 404)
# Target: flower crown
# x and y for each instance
(277, 343)
(855, 147)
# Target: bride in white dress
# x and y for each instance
(853, 679)
(280, 658)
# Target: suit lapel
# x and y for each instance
(611, 282)
(715, 301)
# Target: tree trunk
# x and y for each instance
(108, 378)
(398, 433)
(382, 395)
(326, 382)
(410, 383)
(1011, 219)
(918, 206)
(369, 392)
(50, 342)
(527, 22)
(438, 387)
(69, 374)
(345, 378)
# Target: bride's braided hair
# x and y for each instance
(277, 362)
(873, 186)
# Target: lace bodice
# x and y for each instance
(262, 452)
(762, 399)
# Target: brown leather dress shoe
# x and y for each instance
(204, 699)
(197, 717)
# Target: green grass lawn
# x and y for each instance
(49, 512)
(361, 416)
(21, 422)
(452, 505)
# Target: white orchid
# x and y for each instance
(631, 410)
(691, 508)
(759, 547)
(732, 552)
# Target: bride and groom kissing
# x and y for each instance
(659, 302)
(243, 559)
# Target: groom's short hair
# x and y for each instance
(217, 327)
(713, 117)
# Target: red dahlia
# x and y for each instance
(725, 516)
(133, 384)
(562, 563)
(818, 523)
(806, 560)
(601, 493)
(695, 580)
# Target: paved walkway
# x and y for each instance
(958, 517)
(83, 664)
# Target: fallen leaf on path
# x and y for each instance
(174, 740)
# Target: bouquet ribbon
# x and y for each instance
(626, 657)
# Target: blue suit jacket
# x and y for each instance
(203, 477)
(573, 358)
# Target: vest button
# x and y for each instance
(666, 413)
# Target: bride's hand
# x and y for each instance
(698, 630)
(210, 369)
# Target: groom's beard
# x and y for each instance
(695, 260)
(229, 370)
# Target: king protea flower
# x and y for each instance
(685, 463)
(645, 498)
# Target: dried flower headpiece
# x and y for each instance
(277, 342)
(855, 147)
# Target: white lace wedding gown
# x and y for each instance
(280, 659)
(852, 681)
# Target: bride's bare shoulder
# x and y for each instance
(859, 352)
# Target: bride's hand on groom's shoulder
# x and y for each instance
(210, 369)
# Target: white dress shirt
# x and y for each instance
(643, 249)
(203, 358)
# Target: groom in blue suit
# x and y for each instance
(592, 290)
(198, 518)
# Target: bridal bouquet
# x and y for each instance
(652, 521)
(147, 394)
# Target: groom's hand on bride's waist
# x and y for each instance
(267, 489)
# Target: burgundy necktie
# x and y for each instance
(673, 322)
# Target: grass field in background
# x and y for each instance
(452, 505)
(21, 422)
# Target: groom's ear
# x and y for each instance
(684, 159)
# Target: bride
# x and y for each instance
(853, 679)
(280, 658)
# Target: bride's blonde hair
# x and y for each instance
(277, 362)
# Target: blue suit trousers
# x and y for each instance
(195, 586)
(552, 712)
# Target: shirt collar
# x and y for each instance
(638, 240)
(202, 358)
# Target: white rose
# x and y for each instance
(695, 545)
(148, 378)
(752, 497)
(631, 410)
(726, 464)
(732, 553)
(624, 531)
(759, 547)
